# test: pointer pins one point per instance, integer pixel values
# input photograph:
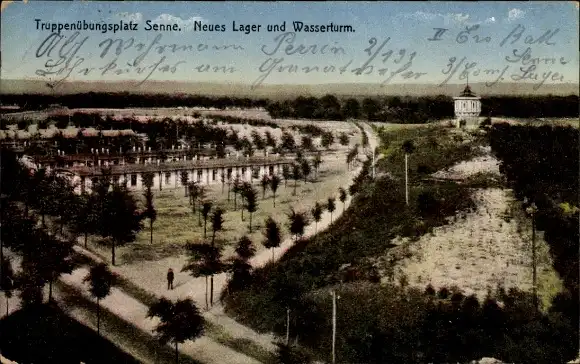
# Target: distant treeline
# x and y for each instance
(409, 110)
(121, 100)
(395, 109)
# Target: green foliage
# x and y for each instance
(272, 234)
(100, 280)
(287, 354)
(306, 143)
(351, 108)
(180, 321)
(205, 210)
(288, 141)
(342, 195)
(245, 249)
(265, 182)
(327, 139)
(251, 197)
(305, 169)
(343, 139)
(217, 221)
(286, 173)
(274, 184)
(541, 164)
(297, 223)
(7, 279)
(121, 220)
(312, 265)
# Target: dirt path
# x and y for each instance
(126, 307)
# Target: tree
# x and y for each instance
(64, 201)
(331, 206)
(217, 221)
(273, 235)
(205, 209)
(100, 280)
(184, 179)
(6, 279)
(203, 261)
(120, 220)
(30, 284)
(179, 321)
(52, 257)
(286, 174)
(244, 187)
(41, 188)
(223, 179)
(343, 139)
(288, 141)
(254, 174)
(237, 188)
(327, 139)
(370, 108)
(305, 169)
(245, 249)
(251, 196)
(229, 180)
(193, 188)
(87, 217)
(239, 266)
(258, 140)
(295, 176)
(316, 162)
(408, 147)
(270, 140)
(201, 194)
(306, 143)
(150, 212)
(350, 157)
(297, 224)
(342, 197)
(351, 108)
(274, 184)
(147, 179)
(287, 354)
(265, 182)
(316, 215)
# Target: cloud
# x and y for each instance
(515, 14)
(184, 24)
(490, 20)
(447, 19)
(134, 17)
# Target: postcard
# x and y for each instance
(289, 182)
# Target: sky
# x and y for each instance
(398, 29)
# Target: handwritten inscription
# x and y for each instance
(64, 56)
(380, 60)
(520, 65)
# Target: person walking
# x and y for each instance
(170, 277)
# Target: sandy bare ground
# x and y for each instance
(466, 169)
(479, 250)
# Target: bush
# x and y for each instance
(485, 123)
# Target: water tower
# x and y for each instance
(467, 107)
